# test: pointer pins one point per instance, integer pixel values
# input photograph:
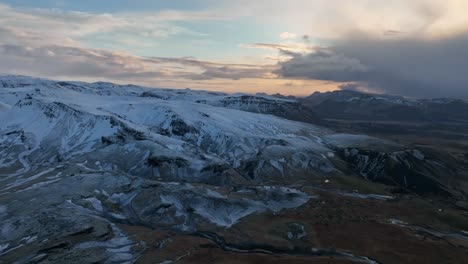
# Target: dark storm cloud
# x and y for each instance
(322, 64)
(351, 87)
(413, 67)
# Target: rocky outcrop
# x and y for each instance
(408, 169)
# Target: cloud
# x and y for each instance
(356, 87)
(414, 66)
(282, 48)
(206, 70)
(47, 42)
(52, 26)
(267, 46)
(71, 62)
(322, 64)
(392, 32)
(325, 19)
(415, 48)
(76, 62)
(230, 73)
(288, 35)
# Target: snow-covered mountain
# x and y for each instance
(89, 155)
(58, 121)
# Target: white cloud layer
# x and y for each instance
(325, 19)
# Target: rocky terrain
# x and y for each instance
(105, 173)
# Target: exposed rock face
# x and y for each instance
(406, 168)
(185, 205)
(282, 107)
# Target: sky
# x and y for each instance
(414, 48)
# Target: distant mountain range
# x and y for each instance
(351, 105)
